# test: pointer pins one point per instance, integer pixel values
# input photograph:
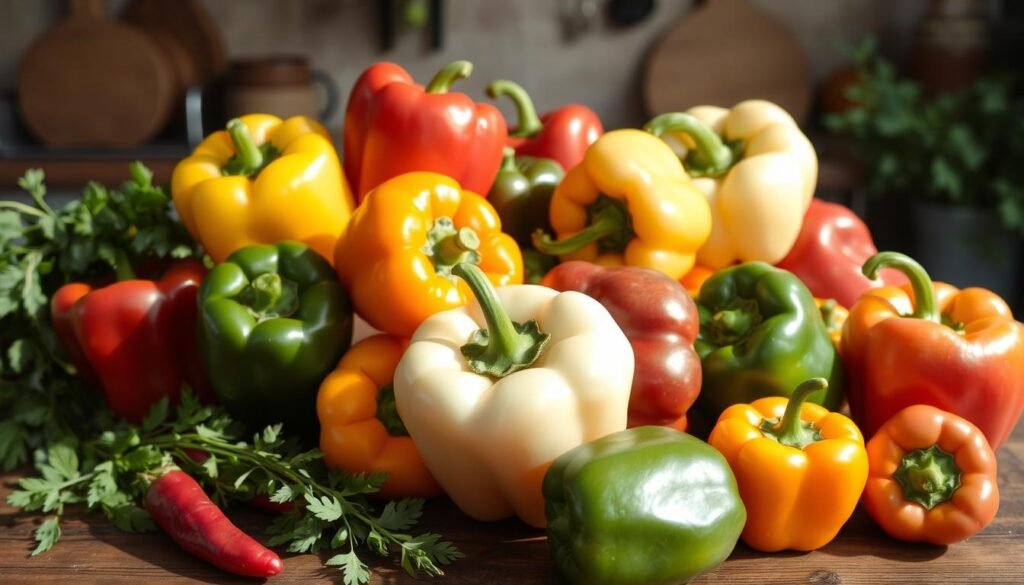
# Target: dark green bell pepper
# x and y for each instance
(522, 194)
(648, 505)
(761, 335)
(274, 321)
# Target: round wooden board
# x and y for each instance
(723, 53)
(92, 82)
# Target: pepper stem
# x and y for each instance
(508, 160)
(269, 296)
(529, 123)
(387, 412)
(928, 476)
(791, 430)
(249, 157)
(442, 81)
(504, 347)
(710, 158)
(123, 266)
(732, 324)
(609, 220)
(447, 245)
(925, 306)
(451, 249)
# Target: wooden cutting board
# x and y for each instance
(725, 52)
(90, 81)
(189, 24)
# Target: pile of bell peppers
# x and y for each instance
(683, 278)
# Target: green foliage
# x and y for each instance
(111, 472)
(960, 148)
(42, 249)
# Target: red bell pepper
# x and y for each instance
(562, 135)
(829, 252)
(394, 126)
(136, 339)
(661, 322)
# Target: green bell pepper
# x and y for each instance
(761, 335)
(522, 194)
(646, 505)
(274, 321)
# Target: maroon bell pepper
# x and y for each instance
(660, 320)
(135, 338)
(562, 135)
(832, 246)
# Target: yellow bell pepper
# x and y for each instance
(261, 181)
(629, 202)
(800, 468)
(757, 170)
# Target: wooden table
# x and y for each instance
(93, 551)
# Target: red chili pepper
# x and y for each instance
(828, 254)
(395, 126)
(660, 320)
(181, 508)
(562, 135)
(136, 339)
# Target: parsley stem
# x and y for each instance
(22, 208)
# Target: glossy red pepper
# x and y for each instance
(394, 126)
(136, 339)
(562, 135)
(660, 320)
(832, 246)
(179, 506)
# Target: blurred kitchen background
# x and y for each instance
(914, 105)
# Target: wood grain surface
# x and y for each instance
(93, 551)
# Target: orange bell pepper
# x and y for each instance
(834, 315)
(694, 279)
(360, 430)
(960, 351)
(397, 254)
(932, 477)
(800, 468)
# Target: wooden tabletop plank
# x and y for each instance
(92, 551)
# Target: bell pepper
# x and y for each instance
(397, 255)
(645, 506)
(628, 203)
(550, 371)
(694, 279)
(761, 335)
(660, 321)
(801, 469)
(829, 252)
(960, 351)
(834, 316)
(262, 181)
(360, 430)
(757, 170)
(931, 477)
(522, 193)
(135, 338)
(395, 126)
(562, 135)
(273, 322)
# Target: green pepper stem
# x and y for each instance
(828, 312)
(928, 476)
(925, 306)
(249, 156)
(508, 160)
(529, 122)
(387, 412)
(607, 220)
(269, 296)
(123, 266)
(711, 157)
(452, 248)
(442, 81)
(791, 430)
(504, 347)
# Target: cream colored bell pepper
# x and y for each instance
(490, 408)
(757, 170)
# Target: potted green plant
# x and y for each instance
(943, 172)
